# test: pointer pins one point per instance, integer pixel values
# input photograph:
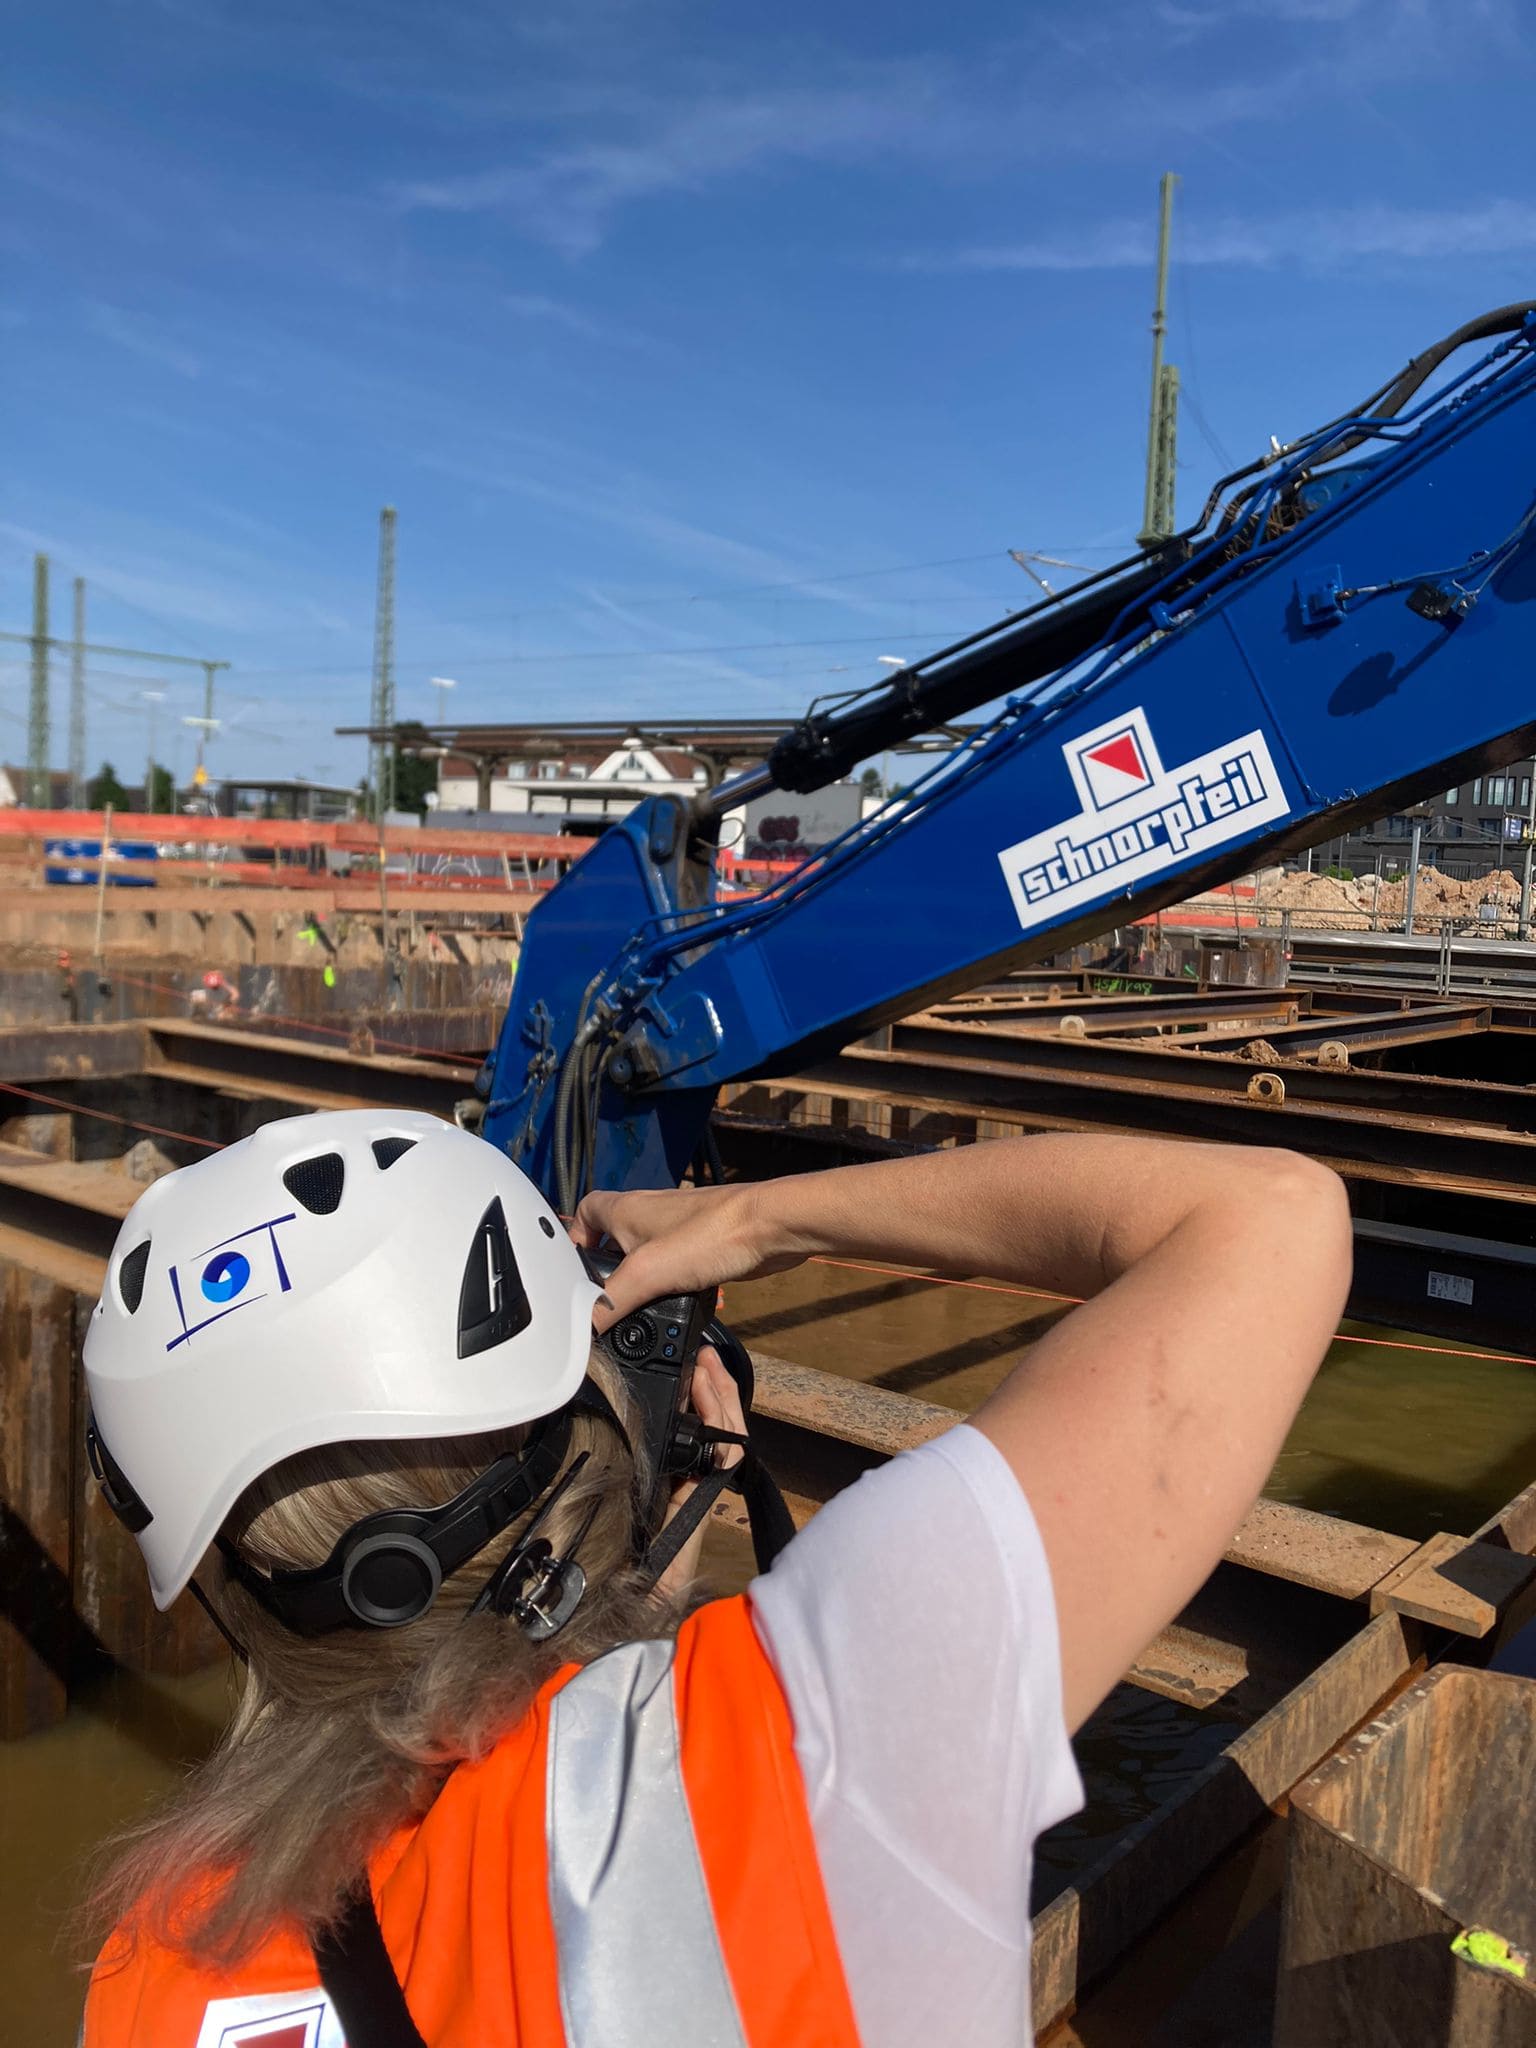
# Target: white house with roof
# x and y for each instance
(572, 784)
(576, 784)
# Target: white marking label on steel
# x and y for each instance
(1450, 1287)
(1138, 818)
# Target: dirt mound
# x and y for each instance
(1325, 903)
(1319, 899)
(1439, 896)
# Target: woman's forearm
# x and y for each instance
(1068, 1213)
(1071, 1214)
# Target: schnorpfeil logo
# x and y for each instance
(1113, 762)
(271, 2019)
(1138, 817)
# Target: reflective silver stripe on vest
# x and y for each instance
(639, 1956)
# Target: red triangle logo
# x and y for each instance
(1123, 755)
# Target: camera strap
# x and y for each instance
(360, 1980)
(767, 1514)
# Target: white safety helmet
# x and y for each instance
(357, 1274)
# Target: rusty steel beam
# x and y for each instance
(309, 1076)
(1497, 1104)
(72, 1585)
(1437, 1282)
(37, 1418)
(1444, 1283)
(58, 1052)
(1086, 1929)
(1131, 1014)
(76, 1207)
(1369, 1031)
(1474, 1158)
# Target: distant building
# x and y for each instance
(1469, 830)
(287, 797)
(16, 788)
(594, 784)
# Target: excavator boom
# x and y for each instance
(1351, 626)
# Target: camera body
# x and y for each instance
(655, 1348)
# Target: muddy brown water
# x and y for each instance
(1408, 1439)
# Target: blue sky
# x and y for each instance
(649, 317)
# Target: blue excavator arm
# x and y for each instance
(1351, 626)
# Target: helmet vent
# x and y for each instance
(387, 1150)
(317, 1183)
(493, 1305)
(130, 1276)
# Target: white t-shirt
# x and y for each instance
(912, 1626)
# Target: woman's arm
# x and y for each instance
(1142, 1426)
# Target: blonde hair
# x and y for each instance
(337, 1740)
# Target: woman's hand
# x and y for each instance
(684, 1240)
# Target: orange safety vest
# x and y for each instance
(631, 1867)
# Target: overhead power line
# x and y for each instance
(562, 654)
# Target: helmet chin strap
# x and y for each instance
(213, 1614)
(385, 1572)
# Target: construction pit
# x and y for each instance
(1396, 1532)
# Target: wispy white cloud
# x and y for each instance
(539, 308)
(141, 337)
(1387, 25)
(1317, 240)
(566, 193)
(536, 306)
(616, 501)
(1178, 14)
(563, 170)
(680, 660)
(182, 583)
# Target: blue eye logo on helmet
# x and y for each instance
(225, 1276)
(228, 1276)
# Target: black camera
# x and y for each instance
(655, 1348)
